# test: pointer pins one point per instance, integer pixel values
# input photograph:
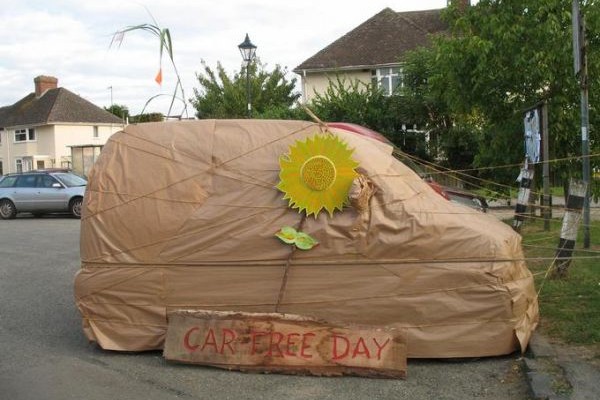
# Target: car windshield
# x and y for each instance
(71, 180)
(410, 163)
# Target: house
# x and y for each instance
(372, 52)
(39, 130)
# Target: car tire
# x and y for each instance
(7, 209)
(75, 207)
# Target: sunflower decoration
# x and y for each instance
(317, 173)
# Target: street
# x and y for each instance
(44, 354)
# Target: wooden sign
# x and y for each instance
(283, 343)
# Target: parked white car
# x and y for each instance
(41, 192)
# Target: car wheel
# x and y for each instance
(75, 207)
(7, 209)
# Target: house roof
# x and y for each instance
(380, 40)
(55, 106)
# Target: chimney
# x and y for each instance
(44, 83)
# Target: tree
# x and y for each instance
(504, 57)
(365, 104)
(221, 96)
(119, 110)
(147, 117)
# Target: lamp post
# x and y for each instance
(248, 51)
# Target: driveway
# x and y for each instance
(44, 355)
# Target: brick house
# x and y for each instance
(39, 130)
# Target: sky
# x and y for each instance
(71, 40)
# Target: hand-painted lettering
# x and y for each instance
(254, 336)
(380, 347)
(274, 344)
(342, 347)
(186, 340)
(305, 345)
(291, 345)
(210, 340)
(227, 333)
(361, 348)
(337, 353)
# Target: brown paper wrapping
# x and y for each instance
(182, 215)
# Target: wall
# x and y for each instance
(41, 148)
(74, 135)
(52, 144)
(319, 81)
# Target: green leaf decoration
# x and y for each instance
(287, 234)
(305, 242)
(301, 240)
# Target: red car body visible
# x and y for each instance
(455, 195)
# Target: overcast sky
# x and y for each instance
(69, 39)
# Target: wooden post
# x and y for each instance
(523, 198)
(570, 226)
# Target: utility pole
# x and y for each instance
(580, 67)
(547, 198)
(111, 95)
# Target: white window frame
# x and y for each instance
(96, 134)
(30, 135)
(381, 76)
(19, 165)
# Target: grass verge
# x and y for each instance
(569, 307)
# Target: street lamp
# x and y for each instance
(248, 51)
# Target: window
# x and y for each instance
(96, 134)
(1, 169)
(1, 134)
(20, 135)
(8, 181)
(26, 181)
(71, 180)
(25, 135)
(46, 181)
(19, 164)
(387, 79)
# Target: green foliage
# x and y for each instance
(119, 110)
(504, 57)
(460, 147)
(453, 136)
(366, 105)
(148, 117)
(351, 101)
(568, 306)
(222, 96)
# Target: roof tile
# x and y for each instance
(382, 39)
(55, 106)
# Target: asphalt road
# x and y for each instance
(44, 354)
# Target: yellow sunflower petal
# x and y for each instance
(317, 173)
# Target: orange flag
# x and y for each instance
(158, 77)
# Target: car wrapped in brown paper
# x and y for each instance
(183, 215)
